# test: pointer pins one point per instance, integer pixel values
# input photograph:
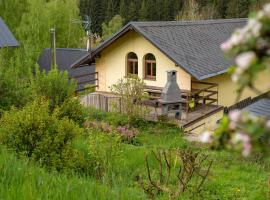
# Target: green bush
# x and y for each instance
(33, 132)
(55, 86)
(96, 114)
(72, 109)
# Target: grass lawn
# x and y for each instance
(231, 177)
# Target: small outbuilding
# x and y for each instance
(69, 59)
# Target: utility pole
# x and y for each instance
(53, 48)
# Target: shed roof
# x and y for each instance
(6, 37)
(192, 45)
(66, 58)
(260, 108)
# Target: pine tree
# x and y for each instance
(97, 16)
(110, 10)
(132, 12)
(143, 11)
(122, 9)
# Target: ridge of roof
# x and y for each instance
(188, 23)
(68, 49)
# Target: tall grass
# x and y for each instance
(24, 180)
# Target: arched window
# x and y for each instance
(150, 66)
(132, 64)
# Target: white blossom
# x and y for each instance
(244, 60)
(245, 140)
(255, 27)
(268, 124)
(260, 14)
(235, 78)
(266, 9)
(206, 137)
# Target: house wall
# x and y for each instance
(111, 65)
(227, 88)
(208, 123)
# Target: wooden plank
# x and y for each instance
(83, 75)
(88, 81)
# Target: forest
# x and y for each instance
(102, 11)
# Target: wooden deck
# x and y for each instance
(112, 103)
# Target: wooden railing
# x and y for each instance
(201, 94)
(86, 84)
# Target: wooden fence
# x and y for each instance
(103, 102)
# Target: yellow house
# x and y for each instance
(150, 49)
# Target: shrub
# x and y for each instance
(126, 133)
(131, 91)
(96, 114)
(55, 86)
(72, 109)
(33, 132)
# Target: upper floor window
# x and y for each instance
(132, 64)
(150, 66)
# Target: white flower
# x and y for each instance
(255, 26)
(268, 124)
(245, 140)
(266, 9)
(235, 115)
(244, 60)
(206, 137)
(235, 78)
(260, 14)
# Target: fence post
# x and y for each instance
(106, 104)
(120, 105)
(99, 101)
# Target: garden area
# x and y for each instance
(102, 164)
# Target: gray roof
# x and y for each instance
(6, 37)
(192, 45)
(260, 108)
(67, 59)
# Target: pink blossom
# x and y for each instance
(246, 149)
(235, 115)
(226, 46)
(244, 60)
(232, 125)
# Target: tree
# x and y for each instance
(113, 26)
(110, 10)
(143, 11)
(123, 9)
